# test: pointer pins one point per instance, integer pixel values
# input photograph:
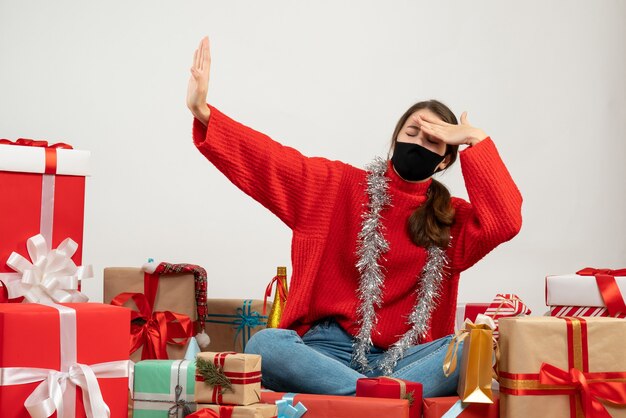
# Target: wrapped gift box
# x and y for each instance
(175, 292)
(389, 387)
(257, 410)
(468, 311)
(323, 406)
(36, 340)
(231, 322)
(172, 293)
(589, 288)
(548, 365)
(241, 374)
(155, 392)
(42, 190)
(438, 407)
(506, 305)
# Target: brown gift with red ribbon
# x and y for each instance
(228, 378)
(562, 367)
(164, 320)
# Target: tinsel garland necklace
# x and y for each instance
(371, 246)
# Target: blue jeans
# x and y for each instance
(320, 362)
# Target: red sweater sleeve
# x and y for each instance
(283, 180)
(493, 215)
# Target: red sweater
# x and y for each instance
(322, 201)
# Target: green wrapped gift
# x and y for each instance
(164, 388)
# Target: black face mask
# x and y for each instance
(413, 162)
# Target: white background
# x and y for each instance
(546, 79)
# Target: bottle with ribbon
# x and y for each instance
(280, 297)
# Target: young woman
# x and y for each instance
(376, 253)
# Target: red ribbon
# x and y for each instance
(282, 292)
(51, 150)
(590, 391)
(24, 142)
(159, 329)
(204, 413)
(605, 278)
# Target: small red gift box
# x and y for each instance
(438, 407)
(42, 190)
(469, 311)
(389, 387)
(323, 406)
(78, 351)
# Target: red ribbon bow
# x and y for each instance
(159, 329)
(590, 389)
(25, 142)
(605, 278)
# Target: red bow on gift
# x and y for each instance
(605, 278)
(158, 328)
(591, 386)
(34, 143)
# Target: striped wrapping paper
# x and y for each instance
(582, 311)
(506, 305)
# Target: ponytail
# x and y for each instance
(430, 223)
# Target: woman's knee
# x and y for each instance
(270, 340)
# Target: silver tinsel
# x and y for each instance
(427, 294)
(371, 246)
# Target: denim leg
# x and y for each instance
(424, 363)
(290, 365)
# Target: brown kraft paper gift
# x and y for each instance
(236, 378)
(175, 293)
(231, 322)
(549, 366)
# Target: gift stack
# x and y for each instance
(477, 333)
(75, 374)
(229, 385)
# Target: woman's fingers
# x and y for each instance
(432, 120)
(464, 120)
(205, 55)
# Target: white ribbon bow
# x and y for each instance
(50, 276)
(48, 396)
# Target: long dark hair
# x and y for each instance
(430, 223)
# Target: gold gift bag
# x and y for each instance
(476, 369)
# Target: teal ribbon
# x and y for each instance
(244, 321)
(286, 408)
(455, 410)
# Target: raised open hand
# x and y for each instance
(198, 86)
(449, 133)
